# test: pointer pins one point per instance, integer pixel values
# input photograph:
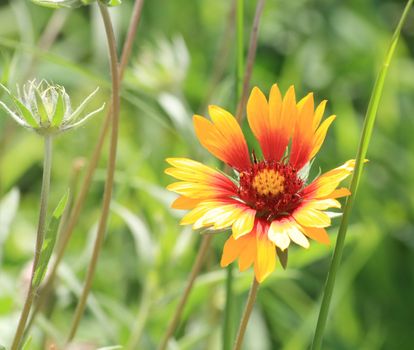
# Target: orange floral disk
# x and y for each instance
(268, 204)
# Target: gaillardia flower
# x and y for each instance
(269, 204)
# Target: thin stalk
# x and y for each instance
(44, 290)
(205, 244)
(228, 327)
(220, 61)
(240, 87)
(102, 226)
(251, 56)
(246, 314)
(239, 48)
(360, 157)
(94, 159)
(44, 198)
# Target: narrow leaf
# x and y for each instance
(27, 344)
(50, 240)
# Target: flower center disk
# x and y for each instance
(268, 182)
(272, 188)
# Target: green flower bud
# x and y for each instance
(62, 3)
(46, 108)
(73, 3)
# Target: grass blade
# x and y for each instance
(361, 154)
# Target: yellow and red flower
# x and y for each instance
(269, 204)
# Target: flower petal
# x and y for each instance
(258, 118)
(308, 136)
(220, 216)
(248, 253)
(200, 181)
(272, 122)
(316, 233)
(298, 237)
(232, 249)
(303, 133)
(223, 138)
(320, 135)
(319, 114)
(244, 224)
(307, 215)
(326, 184)
(280, 239)
(281, 232)
(218, 213)
(266, 253)
(340, 192)
(185, 203)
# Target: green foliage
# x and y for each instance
(331, 48)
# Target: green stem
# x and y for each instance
(239, 48)
(110, 172)
(246, 314)
(228, 328)
(86, 183)
(44, 197)
(361, 154)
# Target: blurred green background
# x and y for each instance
(184, 60)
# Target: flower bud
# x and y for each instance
(62, 3)
(73, 3)
(46, 108)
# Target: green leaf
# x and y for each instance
(59, 111)
(61, 205)
(27, 344)
(50, 240)
(283, 257)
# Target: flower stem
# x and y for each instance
(239, 48)
(361, 154)
(110, 171)
(205, 244)
(94, 159)
(251, 56)
(228, 328)
(44, 197)
(246, 314)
